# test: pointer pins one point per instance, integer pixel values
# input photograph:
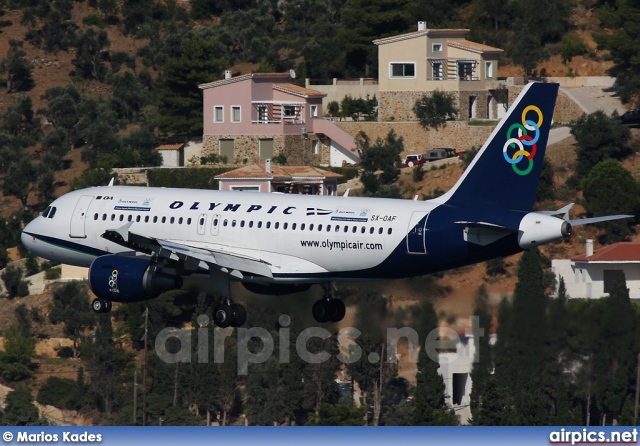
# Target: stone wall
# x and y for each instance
(566, 109)
(296, 148)
(456, 134)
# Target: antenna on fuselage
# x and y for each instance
(111, 182)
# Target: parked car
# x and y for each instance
(630, 118)
(440, 154)
(413, 160)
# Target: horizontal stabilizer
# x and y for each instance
(591, 220)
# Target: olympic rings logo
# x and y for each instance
(524, 143)
(113, 281)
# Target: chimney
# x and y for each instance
(422, 26)
(267, 165)
(227, 74)
(589, 247)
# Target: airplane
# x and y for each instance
(140, 242)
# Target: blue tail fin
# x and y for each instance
(506, 170)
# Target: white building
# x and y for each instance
(592, 274)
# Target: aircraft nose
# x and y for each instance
(28, 240)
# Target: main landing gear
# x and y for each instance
(328, 309)
(101, 305)
(229, 314)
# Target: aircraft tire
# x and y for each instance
(98, 305)
(223, 316)
(321, 311)
(107, 306)
(337, 310)
(240, 315)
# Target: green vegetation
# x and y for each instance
(434, 110)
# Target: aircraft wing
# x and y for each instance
(190, 257)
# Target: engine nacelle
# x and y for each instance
(275, 290)
(129, 279)
(537, 229)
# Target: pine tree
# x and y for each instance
(429, 408)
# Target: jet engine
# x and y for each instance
(129, 279)
(537, 229)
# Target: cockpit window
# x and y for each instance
(46, 212)
(52, 212)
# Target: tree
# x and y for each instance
(20, 410)
(19, 350)
(89, 60)
(429, 408)
(384, 156)
(598, 137)
(13, 282)
(19, 70)
(71, 307)
(611, 189)
(200, 59)
(338, 415)
(21, 179)
(434, 111)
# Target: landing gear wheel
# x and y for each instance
(240, 315)
(337, 310)
(223, 316)
(321, 310)
(100, 305)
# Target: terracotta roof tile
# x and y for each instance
(284, 76)
(414, 34)
(618, 252)
(277, 172)
(170, 147)
(299, 91)
(475, 47)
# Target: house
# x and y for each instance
(268, 177)
(592, 274)
(438, 59)
(254, 117)
(172, 154)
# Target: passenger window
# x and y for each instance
(354, 229)
(329, 228)
(319, 227)
(277, 225)
(225, 222)
(113, 217)
(293, 226)
(337, 228)
(260, 224)
(284, 225)
(95, 216)
(138, 218)
(268, 224)
(233, 223)
(130, 218)
(172, 220)
(121, 218)
(311, 227)
(302, 226)
(389, 231)
(215, 221)
(155, 219)
(164, 219)
(371, 230)
(181, 219)
(380, 231)
(201, 221)
(104, 217)
(242, 223)
(362, 230)
(346, 228)
(188, 221)
(251, 224)
(146, 219)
